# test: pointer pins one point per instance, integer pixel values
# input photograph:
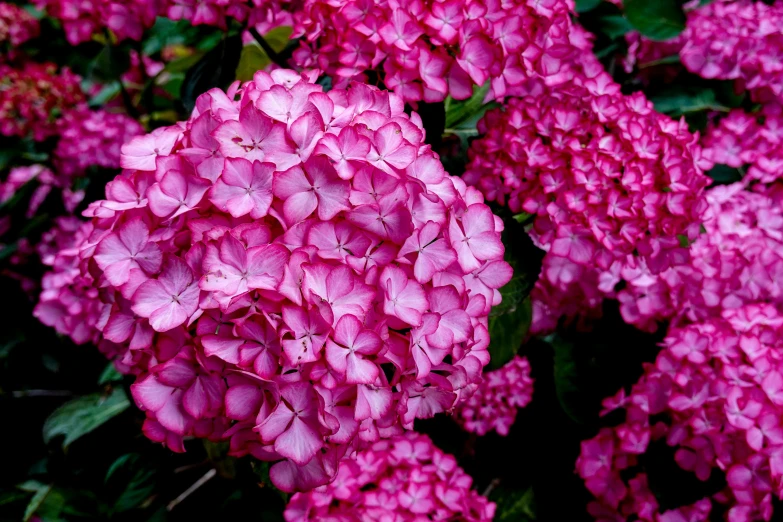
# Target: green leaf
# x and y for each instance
(216, 68)
(7, 156)
(514, 506)
(108, 92)
(567, 378)
(668, 60)
(724, 175)
(135, 481)
(508, 330)
(45, 501)
(111, 63)
(109, 374)
(614, 26)
(464, 114)
(677, 102)
(656, 19)
(254, 58)
(582, 6)
(83, 414)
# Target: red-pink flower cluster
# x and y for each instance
(16, 24)
(750, 141)
(426, 50)
(404, 479)
(262, 14)
(749, 47)
(737, 260)
(82, 19)
(46, 180)
(715, 394)
(34, 97)
(609, 181)
(494, 404)
(92, 138)
(605, 175)
(69, 301)
(292, 270)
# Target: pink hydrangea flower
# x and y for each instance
(749, 49)
(737, 261)
(714, 393)
(609, 181)
(405, 478)
(266, 294)
(16, 24)
(92, 138)
(494, 404)
(31, 96)
(82, 19)
(426, 50)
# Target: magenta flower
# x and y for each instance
(432, 49)
(244, 188)
(169, 300)
(127, 249)
(494, 405)
(279, 272)
(721, 411)
(405, 478)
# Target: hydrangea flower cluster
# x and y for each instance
(34, 97)
(46, 180)
(715, 394)
(406, 478)
(292, 270)
(128, 19)
(494, 404)
(751, 141)
(604, 173)
(82, 19)
(737, 261)
(610, 181)
(429, 49)
(69, 301)
(16, 24)
(749, 49)
(92, 138)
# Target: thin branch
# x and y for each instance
(185, 494)
(267, 48)
(492, 485)
(41, 393)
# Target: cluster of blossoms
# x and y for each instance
(426, 50)
(92, 138)
(403, 479)
(16, 25)
(751, 141)
(33, 98)
(494, 404)
(289, 269)
(715, 394)
(609, 181)
(749, 49)
(69, 301)
(46, 180)
(737, 260)
(82, 19)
